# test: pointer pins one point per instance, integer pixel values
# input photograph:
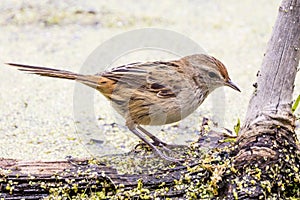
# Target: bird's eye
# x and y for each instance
(212, 74)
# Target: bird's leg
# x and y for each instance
(134, 130)
(157, 141)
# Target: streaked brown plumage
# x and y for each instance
(152, 93)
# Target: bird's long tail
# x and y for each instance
(92, 81)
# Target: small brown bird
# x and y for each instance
(152, 93)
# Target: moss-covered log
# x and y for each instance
(129, 175)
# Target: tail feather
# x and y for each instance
(44, 71)
(102, 84)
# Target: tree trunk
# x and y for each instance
(267, 140)
(275, 82)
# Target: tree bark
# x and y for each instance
(275, 82)
(267, 142)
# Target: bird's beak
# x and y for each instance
(232, 85)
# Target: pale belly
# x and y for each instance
(152, 110)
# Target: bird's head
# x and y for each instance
(209, 72)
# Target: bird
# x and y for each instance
(153, 92)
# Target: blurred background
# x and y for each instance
(37, 120)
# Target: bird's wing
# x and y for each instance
(150, 76)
